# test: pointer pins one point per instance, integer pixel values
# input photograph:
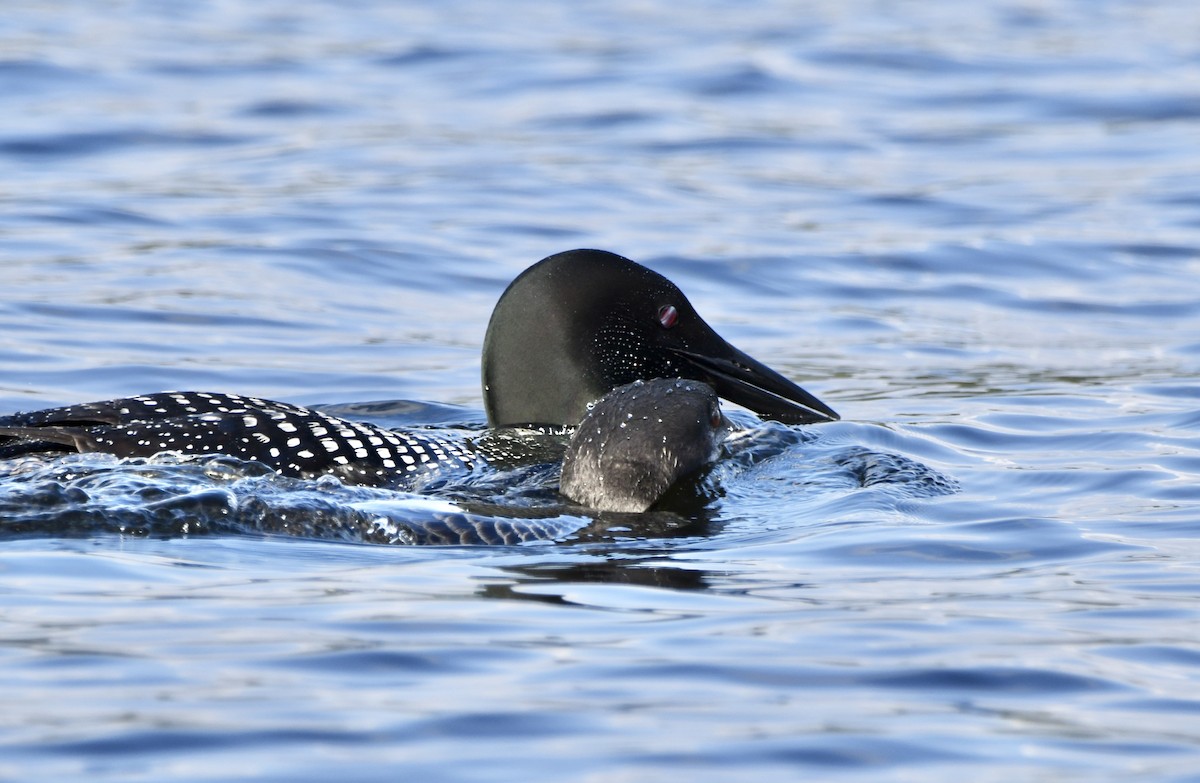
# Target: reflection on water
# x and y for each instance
(971, 228)
(639, 571)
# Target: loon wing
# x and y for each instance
(15, 441)
(118, 426)
(61, 429)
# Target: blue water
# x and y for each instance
(973, 229)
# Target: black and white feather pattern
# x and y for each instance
(294, 441)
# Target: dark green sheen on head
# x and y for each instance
(578, 324)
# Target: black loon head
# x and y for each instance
(578, 324)
(640, 439)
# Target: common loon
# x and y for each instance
(565, 332)
(639, 440)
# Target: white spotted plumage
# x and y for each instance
(293, 440)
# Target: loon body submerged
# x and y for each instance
(567, 331)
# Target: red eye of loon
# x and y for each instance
(668, 316)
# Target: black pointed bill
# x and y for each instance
(748, 382)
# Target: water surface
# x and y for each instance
(974, 230)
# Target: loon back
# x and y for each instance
(294, 441)
(577, 325)
(638, 441)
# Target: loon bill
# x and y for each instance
(568, 330)
(639, 440)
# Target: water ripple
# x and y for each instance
(972, 228)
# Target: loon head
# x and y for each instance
(578, 324)
(639, 440)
